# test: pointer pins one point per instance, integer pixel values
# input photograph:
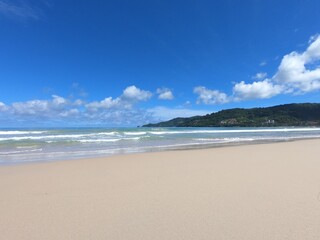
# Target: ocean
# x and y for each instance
(32, 145)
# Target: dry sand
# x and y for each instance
(268, 191)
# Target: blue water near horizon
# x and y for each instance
(31, 145)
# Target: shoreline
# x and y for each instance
(184, 147)
(31, 146)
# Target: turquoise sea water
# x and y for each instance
(27, 145)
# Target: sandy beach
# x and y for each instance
(264, 191)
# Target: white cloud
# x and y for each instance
(20, 10)
(261, 89)
(260, 75)
(163, 113)
(109, 111)
(208, 96)
(118, 117)
(187, 104)
(129, 97)
(106, 103)
(78, 102)
(165, 94)
(70, 113)
(293, 72)
(298, 73)
(58, 101)
(31, 107)
(263, 63)
(40, 107)
(133, 93)
(313, 51)
(3, 107)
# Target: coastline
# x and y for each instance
(18, 146)
(251, 191)
(172, 148)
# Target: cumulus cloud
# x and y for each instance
(165, 94)
(109, 111)
(130, 96)
(135, 94)
(70, 113)
(208, 96)
(58, 101)
(262, 89)
(106, 103)
(298, 73)
(30, 107)
(41, 107)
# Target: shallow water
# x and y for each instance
(28, 145)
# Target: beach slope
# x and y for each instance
(264, 191)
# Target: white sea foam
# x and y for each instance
(76, 143)
(40, 137)
(74, 137)
(206, 139)
(101, 140)
(105, 133)
(98, 140)
(236, 131)
(26, 147)
(134, 133)
(222, 140)
(21, 151)
(44, 137)
(20, 132)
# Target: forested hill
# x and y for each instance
(302, 114)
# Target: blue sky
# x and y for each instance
(126, 63)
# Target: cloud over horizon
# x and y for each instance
(298, 73)
(130, 96)
(119, 111)
(165, 94)
(161, 113)
(208, 96)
